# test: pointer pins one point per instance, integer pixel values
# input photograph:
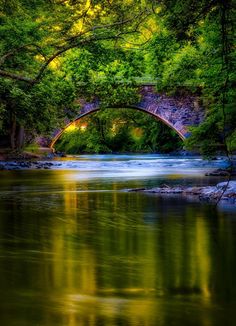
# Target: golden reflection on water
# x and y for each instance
(155, 262)
(114, 258)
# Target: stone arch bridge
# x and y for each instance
(178, 112)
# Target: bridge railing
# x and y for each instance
(146, 80)
(142, 80)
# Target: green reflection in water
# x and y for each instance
(69, 256)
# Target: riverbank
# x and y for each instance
(222, 192)
(15, 160)
(7, 154)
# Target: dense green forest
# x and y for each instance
(119, 130)
(54, 51)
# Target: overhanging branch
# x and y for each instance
(73, 42)
(10, 75)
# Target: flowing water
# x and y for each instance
(76, 249)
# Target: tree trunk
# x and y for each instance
(13, 132)
(17, 134)
(20, 137)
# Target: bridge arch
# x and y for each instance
(177, 112)
(60, 132)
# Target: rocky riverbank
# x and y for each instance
(221, 173)
(28, 160)
(223, 192)
(26, 165)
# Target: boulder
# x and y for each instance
(228, 187)
(223, 191)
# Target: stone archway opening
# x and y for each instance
(138, 132)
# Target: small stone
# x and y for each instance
(2, 167)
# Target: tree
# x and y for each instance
(35, 34)
(200, 59)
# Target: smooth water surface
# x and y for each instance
(76, 249)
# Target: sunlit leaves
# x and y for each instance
(118, 130)
(194, 52)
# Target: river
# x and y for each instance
(76, 249)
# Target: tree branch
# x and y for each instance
(73, 43)
(37, 78)
(16, 50)
(107, 26)
(16, 77)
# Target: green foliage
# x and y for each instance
(106, 74)
(182, 70)
(53, 52)
(35, 38)
(200, 59)
(162, 46)
(119, 130)
(38, 108)
(231, 141)
(206, 137)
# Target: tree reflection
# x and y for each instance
(113, 258)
